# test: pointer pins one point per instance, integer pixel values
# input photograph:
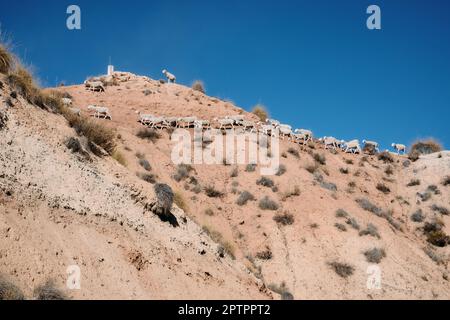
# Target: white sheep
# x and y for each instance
(185, 122)
(307, 133)
(201, 124)
(399, 147)
(170, 77)
(225, 123)
(352, 146)
(265, 128)
(273, 122)
(94, 86)
(330, 142)
(285, 131)
(100, 111)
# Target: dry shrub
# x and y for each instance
(281, 170)
(291, 193)
(244, 197)
(281, 290)
(260, 111)
(369, 206)
(8, 290)
(425, 147)
(145, 164)
(348, 161)
(251, 167)
(370, 230)
(413, 182)
(294, 152)
(435, 256)
(148, 134)
(22, 81)
(311, 168)
(340, 227)
(343, 270)
(49, 291)
(440, 209)
(375, 255)
(343, 170)
(266, 182)
(6, 59)
(198, 86)
(319, 158)
(212, 192)
(183, 171)
(284, 219)
(209, 212)
(414, 156)
(119, 157)
(93, 130)
(267, 204)
(353, 223)
(383, 188)
(386, 157)
(179, 200)
(234, 173)
(389, 170)
(341, 213)
(418, 216)
(446, 181)
(147, 177)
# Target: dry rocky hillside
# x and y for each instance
(333, 214)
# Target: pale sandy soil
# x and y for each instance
(57, 210)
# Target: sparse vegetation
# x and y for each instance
(413, 182)
(183, 171)
(8, 290)
(370, 230)
(145, 164)
(291, 193)
(265, 182)
(119, 157)
(147, 177)
(264, 255)
(348, 161)
(209, 212)
(386, 157)
(425, 147)
(179, 200)
(369, 206)
(224, 246)
(389, 170)
(311, 168)
(234, 173)
(375, 255)
(281, 290)
(6, 60)
(212, 192)
(284, 219)
(340, 227)
(440, 209)
(319, 158)
(244, 197)
(383, 188)
(148, 134)
(341, 213)
(293, 152)
(260, 111)
(446, 181)
(343, 270)
(281, 170)
(251, 167)
(418, 216)
(93, 130)
(436, 257)
(353, 223)
(198, 86)
(49, 291)
(267, 204)
(343, 170)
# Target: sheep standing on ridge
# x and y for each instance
(100, 112)
(399, 147)
(170, 77)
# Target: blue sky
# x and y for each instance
(314, 64)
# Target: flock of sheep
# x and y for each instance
(270, 127)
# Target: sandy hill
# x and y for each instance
(58, 209)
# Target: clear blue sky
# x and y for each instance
(314, 64)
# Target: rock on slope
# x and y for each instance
(95, 212)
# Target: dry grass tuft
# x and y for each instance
(343, 270)
(386, 157)
(213, 193)
(224, 246)
(319, 158)
(6, 60)
(49, 291)
(8, 290)
(119, 157)
(148, 134)
(413, 182)
(267, 204)
(425, 147)
(260, 111)
(198, 86)
(244, 197)
(284, 219)
(375, 255)
(179, 200)
(383, 188)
